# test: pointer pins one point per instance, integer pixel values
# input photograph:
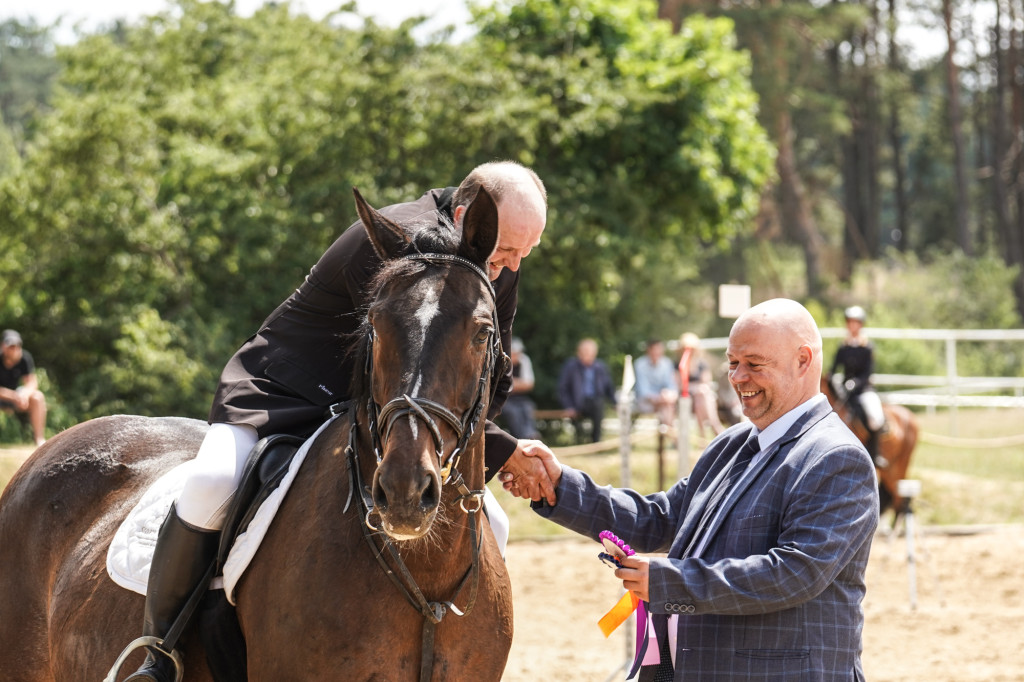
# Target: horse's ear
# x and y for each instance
(388, 237)
(479, 228)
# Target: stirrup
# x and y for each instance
(154, 644)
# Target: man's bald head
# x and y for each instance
(775, 359)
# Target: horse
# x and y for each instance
(377, 565)
(895, 444)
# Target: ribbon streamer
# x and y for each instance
(618, 613)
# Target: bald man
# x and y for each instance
(767, 540)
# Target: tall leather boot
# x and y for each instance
(872, 446)
(182, 556)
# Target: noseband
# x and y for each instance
(426, 410)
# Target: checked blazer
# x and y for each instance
(777, 593)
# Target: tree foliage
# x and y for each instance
(196, 165)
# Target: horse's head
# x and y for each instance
(431, 346)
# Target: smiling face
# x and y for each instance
(774, 360)
(521, 221)
(520, 226)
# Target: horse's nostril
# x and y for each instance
(380, 497)
(431, 495)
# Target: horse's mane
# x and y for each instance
(424, 237)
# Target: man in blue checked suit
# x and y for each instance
(766, 544)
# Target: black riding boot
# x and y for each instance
(872, 446)
(182, 556)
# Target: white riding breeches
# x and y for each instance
(215, 474)
(498, 519)
(872, 406)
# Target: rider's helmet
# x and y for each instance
(855, 312)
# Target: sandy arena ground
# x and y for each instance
(968, 625)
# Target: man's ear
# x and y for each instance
(805, 358)
(457, 216)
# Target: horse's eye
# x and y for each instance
(482, 336)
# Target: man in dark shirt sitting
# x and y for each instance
(19, 387)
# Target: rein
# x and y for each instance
(470, 501)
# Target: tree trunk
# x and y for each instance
(1007, 185)
(895, 132)
(962, 234)
(795, 212)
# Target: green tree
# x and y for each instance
(651, 149)
(28, 66)
(196, 164)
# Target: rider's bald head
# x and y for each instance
(503, 180)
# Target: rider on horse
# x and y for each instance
(285, 379)
(851, 380)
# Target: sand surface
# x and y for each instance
(968, 624)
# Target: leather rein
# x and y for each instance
(470, 501)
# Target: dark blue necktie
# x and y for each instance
(739, 464)
(664, 671)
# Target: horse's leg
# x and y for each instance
(23, 606)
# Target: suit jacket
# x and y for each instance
(283, 377)
(570, 383)
(777, 593)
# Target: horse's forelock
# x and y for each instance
(426, 237)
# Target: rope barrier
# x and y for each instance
(954, 442)
(610, 445)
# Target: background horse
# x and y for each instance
(896, 445)
(315, 603)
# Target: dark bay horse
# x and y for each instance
(316, 602)
(896, 445)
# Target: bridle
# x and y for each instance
(422, 408)
(470, 501)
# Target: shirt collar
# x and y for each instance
(778, 428)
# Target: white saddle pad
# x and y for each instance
(130, 554)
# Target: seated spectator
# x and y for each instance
(657, 383)
(583, 387)
(19, 388)
(695, 377)
(518, 409)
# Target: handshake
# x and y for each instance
(532, 472)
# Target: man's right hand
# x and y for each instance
(533, 455)
(532, 472)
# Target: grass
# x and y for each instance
(11, 457)
(971, 481)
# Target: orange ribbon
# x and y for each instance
(619, 613)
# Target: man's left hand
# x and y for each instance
(635, 575)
